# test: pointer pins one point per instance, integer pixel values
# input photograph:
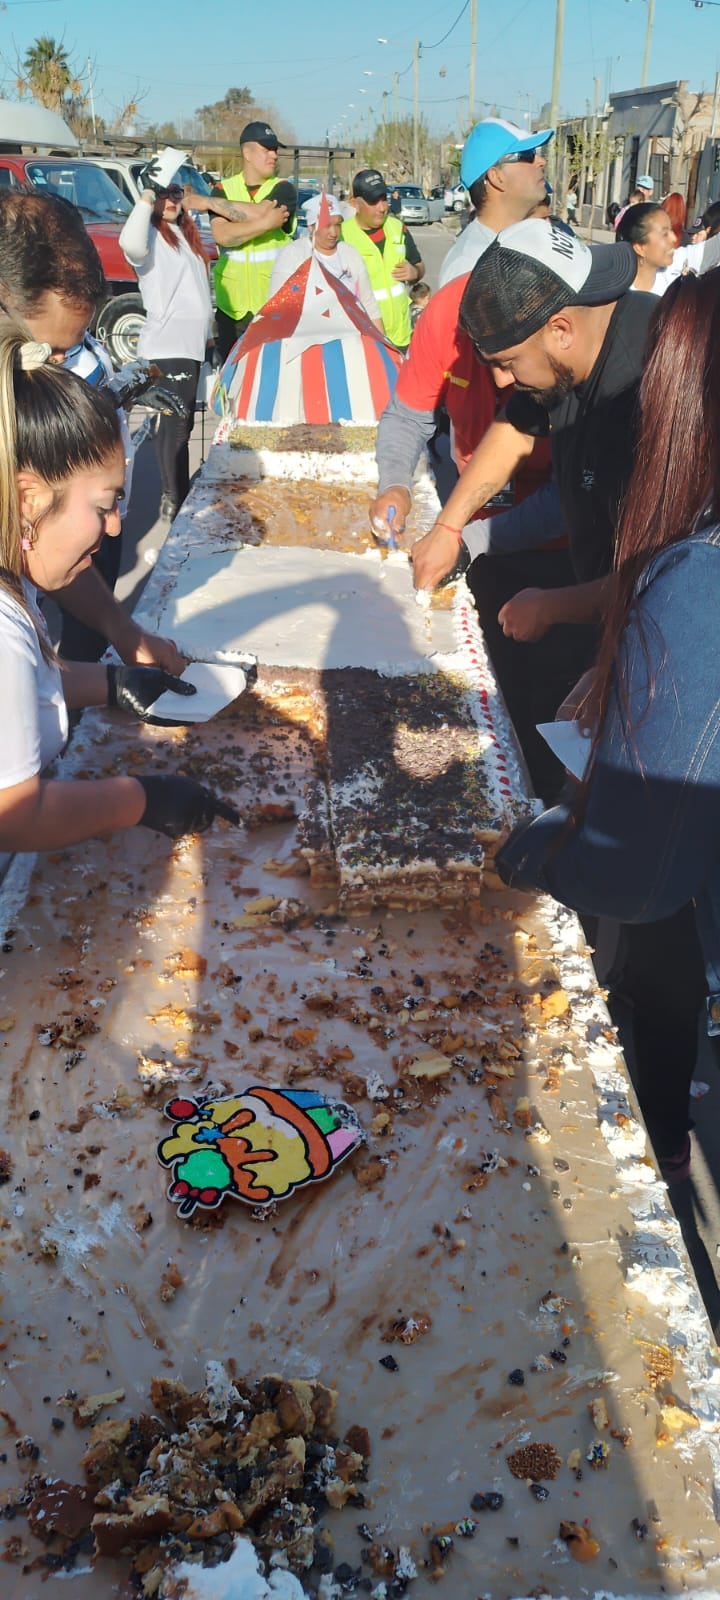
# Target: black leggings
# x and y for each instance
(173, 434)
(659, 969)
(229, 331)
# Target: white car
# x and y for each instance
(456, 198)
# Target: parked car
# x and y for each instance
(413, 205)
(126, 174)
(305, 192)
(436, 204)
(103, 209)
(456, 197)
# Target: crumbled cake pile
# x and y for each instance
(180, 1482)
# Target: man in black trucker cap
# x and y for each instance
(554, 317)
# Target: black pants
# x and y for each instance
(659, 972)
(173, 434)
(534, 678)
(77, 641)
(229, 331)
(658, 969)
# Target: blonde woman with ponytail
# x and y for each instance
(62, 470)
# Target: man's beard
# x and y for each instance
(563, 385)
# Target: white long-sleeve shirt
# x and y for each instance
(345, 263)
(174, 289)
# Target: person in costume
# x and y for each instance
(325, 217)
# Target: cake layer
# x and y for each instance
(406, 797)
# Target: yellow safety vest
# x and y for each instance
(242, 273)
(392, 297)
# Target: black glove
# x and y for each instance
(149, 177)
(135, 689)
(176, 806)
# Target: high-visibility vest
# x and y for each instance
(392, 297)
(242, 272)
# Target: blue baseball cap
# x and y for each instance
(492, 140)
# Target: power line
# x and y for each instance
(451, 98)
(450, 29)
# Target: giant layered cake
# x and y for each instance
(416, 762)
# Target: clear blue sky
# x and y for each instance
(312, 63)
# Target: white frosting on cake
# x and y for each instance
(295, 607)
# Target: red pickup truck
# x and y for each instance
(104, 210)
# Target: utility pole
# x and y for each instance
(384, 108)
(716, 99)
(396, 96)
(416, 110)
(557, 72)
(92, 97)
(473, 53)
(648, 43)
(593, 154)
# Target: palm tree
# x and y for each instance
(47, 73)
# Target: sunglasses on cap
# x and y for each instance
(521, 155)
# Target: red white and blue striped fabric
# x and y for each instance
(310, 355)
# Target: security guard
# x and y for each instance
(388, 250)
(248, 249)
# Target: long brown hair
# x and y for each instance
(676, 209)
(676, 472)
(188, 228)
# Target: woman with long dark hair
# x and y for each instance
(62, 477)
(163, 244)
(649, 229)
(643, 838)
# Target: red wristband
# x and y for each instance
(451, 529)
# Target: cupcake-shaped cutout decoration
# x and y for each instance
(257, 1146)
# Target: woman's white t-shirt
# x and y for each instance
(34, 725)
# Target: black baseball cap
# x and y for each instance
(369, 185)
(533, 270)
(260, 133)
